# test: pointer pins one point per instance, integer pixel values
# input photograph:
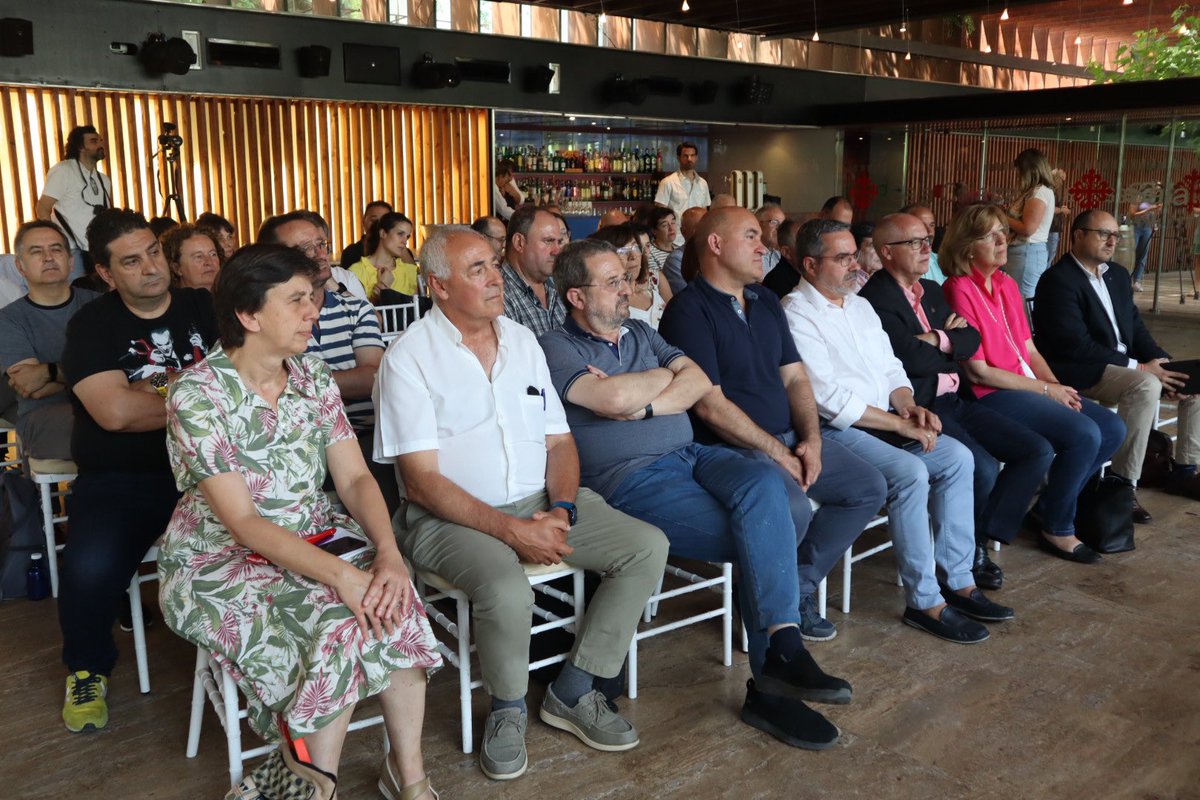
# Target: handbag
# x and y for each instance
(1158, 464)
(283, 776)
(1103, 515)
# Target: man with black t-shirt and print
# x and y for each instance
(122, 352)
(76, 191)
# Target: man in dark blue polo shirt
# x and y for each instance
(626, 393)
(761, 403)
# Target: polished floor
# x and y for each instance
(1092, 692)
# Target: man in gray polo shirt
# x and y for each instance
(626, 393)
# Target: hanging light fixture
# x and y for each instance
(908, 56)
(816, 35)
(685, 7)
(1078, 39)
(1126, 2)
(1004, 13)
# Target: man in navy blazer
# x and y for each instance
(1089, 331)
(930, 340)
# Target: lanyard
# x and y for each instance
(1007, 331)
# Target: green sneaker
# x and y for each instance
(85, 706)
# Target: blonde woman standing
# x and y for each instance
(1029, 220)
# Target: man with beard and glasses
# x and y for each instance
(76, 191)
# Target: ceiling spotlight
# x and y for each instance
(1078, 39)
(739, 44)
(903, 27)
(1126, 2)
(685, 6)
(816, 36)
(987, 48)
(603, 18)
(908, 56)
(1004, 13)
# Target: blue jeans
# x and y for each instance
(1026, 263)
(1141, 238)
(715, 505)
(1082, 442)
(1051, 248)
(1001, 495)
(115, 517)
(930, 510)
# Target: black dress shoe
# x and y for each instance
(801, 679)
(788, 720)
(1185, 484)
(1140, 515)
(987, 573)
(977, 606)
(1082, 554)
(950, 625)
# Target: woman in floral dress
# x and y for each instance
(305, 634)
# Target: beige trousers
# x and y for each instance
(1136, 395)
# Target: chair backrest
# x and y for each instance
(394, 319)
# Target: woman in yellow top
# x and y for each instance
(390, 265)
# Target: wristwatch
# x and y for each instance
(159, 381)
(572, 512)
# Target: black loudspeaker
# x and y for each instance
(618, 90)
(16, 37)
(483, 70)
(313, 61)
(703, 93)
(430, 74)
(160, 55)
(538, 79)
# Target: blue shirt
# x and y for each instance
(610, 449)
(740, 351)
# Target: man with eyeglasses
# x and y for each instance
(495, 231)
(866, 402)
(761, 403)
(346, 336)
(770, 216)
(1091, 334)
(924, 214)
(76, 191)
(930, 340)
(534, 241)
(626, 393)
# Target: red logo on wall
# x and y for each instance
(863, 192)
(1189, 187)
(1091, 190)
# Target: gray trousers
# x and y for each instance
(628, 553)
(46, 431)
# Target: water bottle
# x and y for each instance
(37, 580)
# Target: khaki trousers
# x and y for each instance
(629, 554)
(1136, 395)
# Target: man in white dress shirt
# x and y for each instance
(683, 188)
(468, 413)
(866, 404)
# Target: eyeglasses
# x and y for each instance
(310, 248)
(916, 245)
(629, 248)
(1115, 235)
(612, 284)
(843, 260)
(997, 237)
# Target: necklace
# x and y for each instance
(1003, 318)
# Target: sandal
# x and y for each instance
(390, 788)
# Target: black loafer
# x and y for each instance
(1082, 554)
(1140, 515)
(978, 606)
(950, 625)
(987, 573)
(788, 720)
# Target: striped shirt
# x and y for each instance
(523, 306)
(346, 323)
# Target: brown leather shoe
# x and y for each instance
(1140, 515)
(1184, 485)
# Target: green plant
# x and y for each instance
(959, 22)
(1155, 54)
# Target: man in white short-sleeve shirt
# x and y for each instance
(467, 412)
(75, 191)
(684, 188)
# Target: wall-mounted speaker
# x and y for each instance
(619, 90)
(16, 37)
(538, 79)
(367, 63)
(313, 61)
(430, 74)
(160, 55)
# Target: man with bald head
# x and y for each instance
(761, 402)
(614, 216)
(1094, 339)
(924, 214)
(470, 418)
(722, 200)
(838, 209)
(930, 340)
(673, 266)
(534, 241)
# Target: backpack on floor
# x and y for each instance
(21, 532)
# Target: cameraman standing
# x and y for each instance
(76, 191)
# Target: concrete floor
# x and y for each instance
(1092, 692)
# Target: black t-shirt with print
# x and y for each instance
(105, 335)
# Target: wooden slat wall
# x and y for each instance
(939, 158)
(248, 158)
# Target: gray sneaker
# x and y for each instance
(591, 720)
(502, 755)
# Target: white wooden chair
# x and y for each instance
(49, 474)
(459, 627)
(394, 319)
(138, 618)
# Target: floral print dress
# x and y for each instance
(291, 644)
